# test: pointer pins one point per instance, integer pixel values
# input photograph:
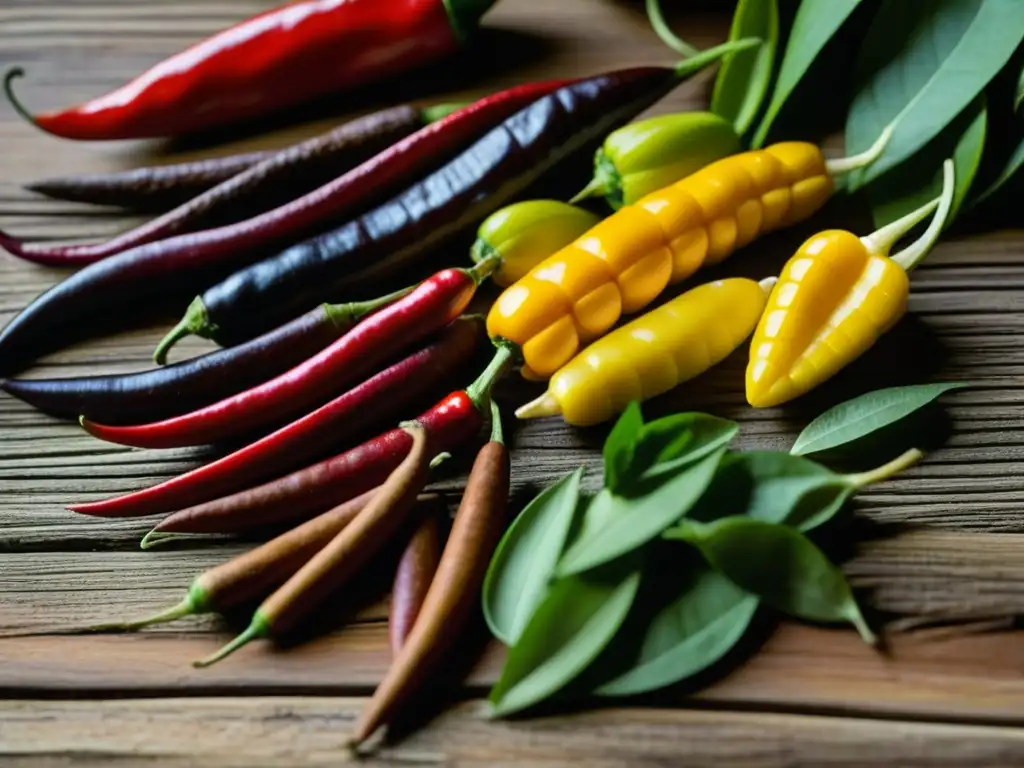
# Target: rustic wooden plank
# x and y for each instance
(227, 732)
(956, 678)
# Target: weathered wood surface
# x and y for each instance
(946, 547)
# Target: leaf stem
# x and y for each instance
(884, 472)
(912, 255)
(664, 31)
(862, 159)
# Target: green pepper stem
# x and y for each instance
(700, 60)
(13, 74)
(884, 472)
(258, 628)
(483, 269)
(346, 315)
(914, 253)
(597, 187)
(196, 322)
(497, 434)
(480, 390)
(860, 624)
(664, 31)
(481, 250)
(863, 159)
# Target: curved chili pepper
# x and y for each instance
(295, 497)
(154, 189)
(627, 260)
(428, 308)
(272, 182)
(455, 588)
(345, 554)
(135, 398)
(493, 171)
(284, 57)
(657, 352)
(380, 398)
(412, 578)
(178, 266)
(835, 298)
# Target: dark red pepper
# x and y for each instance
(284, 57)
(298, 496)
(176, 268)
(429, 307)
(377, 401)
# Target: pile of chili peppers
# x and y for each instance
(337, 415)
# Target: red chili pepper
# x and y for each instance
(296, 497)
(432, 305)
(284, 57)
(181, 265)
(378, 399)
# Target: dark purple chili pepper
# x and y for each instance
(274, 181)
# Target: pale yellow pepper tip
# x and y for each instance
(545, 405)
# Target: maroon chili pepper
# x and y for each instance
(382, 397)
(455, 588)
(287, 56)
(153, 189)
(296, 497)
(412, 580)
(433, 304)
(160, 393)
(177, 267)
(280, 178)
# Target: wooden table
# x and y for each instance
(948, 553)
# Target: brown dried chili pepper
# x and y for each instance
(412, 579)
(346, 553)
(454, 592)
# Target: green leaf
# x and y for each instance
(816, 22)
(866, 414)
(524, 562)
(779, 564)
(744, 77)
(615, 525)
(921, 64)
(676, 441)
(919, 180)
(672, 634)
(570, 628)
(618, 448)
(775, 487)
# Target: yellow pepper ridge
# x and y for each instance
(835, 298)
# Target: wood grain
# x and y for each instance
(229, 732)
(945, 547)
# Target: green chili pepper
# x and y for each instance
(524, 234)
(648, 155)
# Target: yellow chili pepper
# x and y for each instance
(834, 299)
(624, 262)
(657, 352)
(522, 235)
(648, 155)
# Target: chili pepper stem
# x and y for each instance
(841, 165)
(884, 472)
(480, 390)
(258, 628)
(484, 268)
(912, 255)
(861, 625)
(13, 74)
(345, 315)
(662, 29)
(700, 60)
(482, 250)
(196, 322)
(497, 433)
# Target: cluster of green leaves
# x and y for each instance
(659, 574)
(937, 74)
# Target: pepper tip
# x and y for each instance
(545, 405)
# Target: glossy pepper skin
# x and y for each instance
(628, 259)
(292, 54)
(523, 234)
(657, 352)
(833, 301)
(648, 155)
